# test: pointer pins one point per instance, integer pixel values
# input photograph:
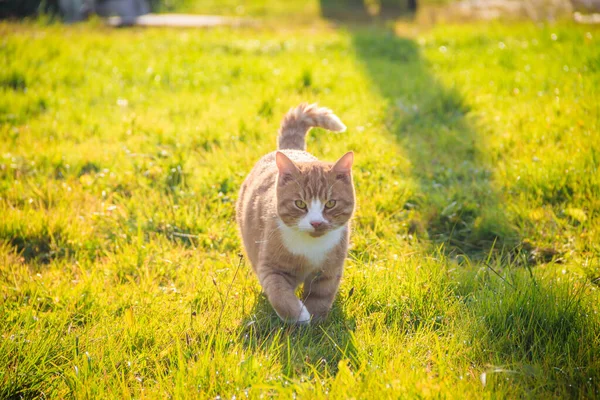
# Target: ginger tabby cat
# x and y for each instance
(294, 217)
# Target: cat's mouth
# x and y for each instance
(314, 232)
(317, 233)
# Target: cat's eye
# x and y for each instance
(330, 204)
(300, 204)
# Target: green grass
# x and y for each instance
(254, 8)
(475, 253)
(296, 11)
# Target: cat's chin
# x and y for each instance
(316, 234)
(313, 234)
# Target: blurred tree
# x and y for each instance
(359, 9)
(24, 8)
(76, 10)
(344, 9)
(396, 8)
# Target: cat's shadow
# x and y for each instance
(300, 348)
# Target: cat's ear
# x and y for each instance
(343, 166)
(286, 167)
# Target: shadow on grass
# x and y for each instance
(457, 205)
(543, 335)
(535, 330)
(321, 346)
(38, 246)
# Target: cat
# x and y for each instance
(293, 213)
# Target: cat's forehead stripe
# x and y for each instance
(315, 184)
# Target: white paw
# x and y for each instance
(304, 318)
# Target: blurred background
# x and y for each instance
(422, 10)
(475, 259)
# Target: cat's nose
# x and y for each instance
(316, 224)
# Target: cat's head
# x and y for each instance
(314, 197)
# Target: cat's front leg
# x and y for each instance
(319, 292)
(279, 288)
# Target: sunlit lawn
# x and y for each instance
(475, 263)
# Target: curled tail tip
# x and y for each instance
(321, 117)
(298, 121)
(335, 124)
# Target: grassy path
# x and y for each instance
(475, 261)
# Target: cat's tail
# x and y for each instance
(298, 121)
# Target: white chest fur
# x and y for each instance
(314, 249)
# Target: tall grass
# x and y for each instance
(474, 266)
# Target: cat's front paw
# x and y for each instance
(301, 317)
(304, 318)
